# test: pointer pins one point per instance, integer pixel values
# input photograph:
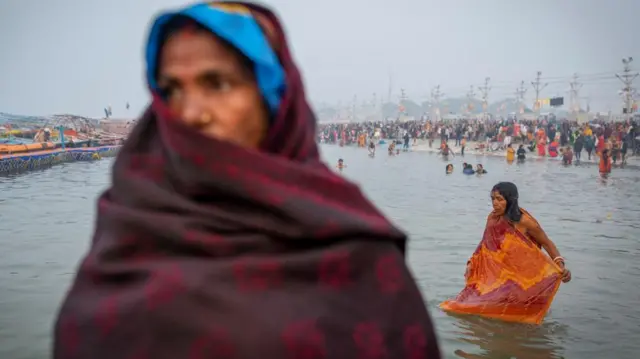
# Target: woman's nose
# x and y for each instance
(194, 112)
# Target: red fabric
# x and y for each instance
(206, 250)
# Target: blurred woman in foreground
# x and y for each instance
(223, 235)
(508, 276)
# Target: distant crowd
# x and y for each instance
(498, 133)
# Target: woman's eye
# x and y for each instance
(170, 92)
(224, 86)
(217, 84)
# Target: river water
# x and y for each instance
(46, 220)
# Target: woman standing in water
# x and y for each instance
(510, 153)
(605, 162)
(504, 197)
(223, 234)
(508, 276)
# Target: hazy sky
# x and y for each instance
(78, 56)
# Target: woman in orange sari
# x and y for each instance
(605, 162)
(508, 276)
(542, 143)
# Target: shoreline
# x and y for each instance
(423, 146)
(33, 161)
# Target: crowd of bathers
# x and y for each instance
(467, 169)
(618, 136)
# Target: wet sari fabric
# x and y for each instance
(509, 277)
(206, 250)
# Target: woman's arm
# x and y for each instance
(538, 234)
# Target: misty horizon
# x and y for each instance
(79, 57)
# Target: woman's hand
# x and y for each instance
(566, 274)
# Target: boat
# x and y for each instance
(7, 149)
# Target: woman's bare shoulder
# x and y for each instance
(528, 221)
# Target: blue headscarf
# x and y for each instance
(234, 24)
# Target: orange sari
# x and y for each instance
(509, 277)
(605, 165)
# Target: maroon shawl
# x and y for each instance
(206, 250)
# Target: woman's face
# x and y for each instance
(210, 87)
(499, 203)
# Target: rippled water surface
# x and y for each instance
(46, 220)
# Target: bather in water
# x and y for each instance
(508, 276)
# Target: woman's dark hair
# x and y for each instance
(509, 191)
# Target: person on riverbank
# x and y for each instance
(578, 144)
(511, 237)
(589, 144)
(463, 144)
(223, 234)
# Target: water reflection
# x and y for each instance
(498, 340)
